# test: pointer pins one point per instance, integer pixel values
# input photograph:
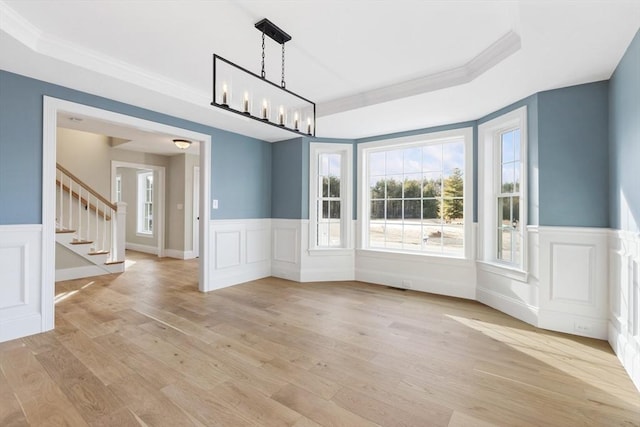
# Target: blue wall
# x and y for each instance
(573, 156)
(624, 139)
(245, 195)
(290, 177)
(287, 179)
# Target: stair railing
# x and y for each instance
(92, 217)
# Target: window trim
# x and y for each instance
(488, 178)
(346, 196)
(466, 133)
(141, 200)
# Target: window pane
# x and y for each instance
(453, 156)
(376, 164)
(432, 158)
(325, 186)
(323, 165)
(394, 161)
(377, 210)
(504, 212)
(431, 211)
(504, 245)
(412, 186)
(377, 185)
(515, 212)
(376, 234)
(517, 177)
(412, 160)
(334, 209)
(412, 210)
(323, 234)
(453, 239)
(508, 173)
(412, 237)
(325, 209)
(432, 184)
(334, 234)
(453, 185)
(394, 187)
(432, 237)
(453, 210)
(517, 243)
(334, 186)
(507, 147)
(516, 144)
(334, 164)
(394, 209)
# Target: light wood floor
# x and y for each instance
(146, 348)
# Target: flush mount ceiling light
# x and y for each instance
(182, 144)
(240, 91)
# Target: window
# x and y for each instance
(118, 188)
(502, 176)
(330, 201)
(416, 193)
(145, 202)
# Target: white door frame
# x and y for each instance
(51, 107)
(195, 235)
(158, 219)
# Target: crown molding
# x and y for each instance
(499, 50)
(26, 33)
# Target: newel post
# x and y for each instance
(119, 231)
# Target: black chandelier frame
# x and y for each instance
(272, 31)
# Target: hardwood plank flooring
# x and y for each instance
(145, 348)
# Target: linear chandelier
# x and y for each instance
(240, 91)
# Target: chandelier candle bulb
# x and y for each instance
(224, 94)
(308, 126)
(295, 121)
(246, 103)
(264, 110)
(281, 116)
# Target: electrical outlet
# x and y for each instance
(583, 328)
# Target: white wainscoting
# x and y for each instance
(624, 300)
(293, 260)
(286, 260)
(512, 291)
(438, 275)
(21, 290)
(241, 251)
(573, 280)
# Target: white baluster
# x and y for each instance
(60, 207)
(70, 206)
(88, 217)
(80, 212)
(104, 226)
(97, 216)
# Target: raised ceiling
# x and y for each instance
(373, 67)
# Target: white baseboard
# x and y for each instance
(572, 323)
(174, 253)
(627, 349)
(511, 306)
(79, 272)
(153, 250)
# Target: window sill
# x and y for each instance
(147, 235)
(418, 257)
(330, 252)
(504, 270)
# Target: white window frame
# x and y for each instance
(466, 134)
(346, 195)
(489, 178)
(141, 201)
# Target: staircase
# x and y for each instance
(89, 225)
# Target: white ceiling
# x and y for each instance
(373, 67)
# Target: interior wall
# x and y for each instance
(175, 206)
(21, 153)
(624, 210)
